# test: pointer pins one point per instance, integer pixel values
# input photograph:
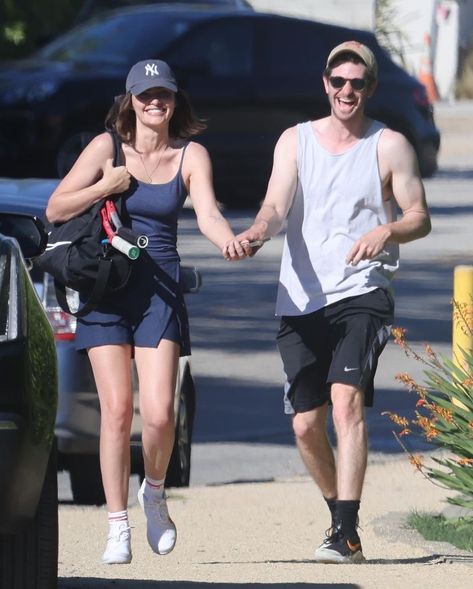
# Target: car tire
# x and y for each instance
(86, 479)
(28, 559)
(179, 469)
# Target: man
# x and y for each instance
(337, 181)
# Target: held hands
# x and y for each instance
(115, 179)
(244, 245)
(369, 246)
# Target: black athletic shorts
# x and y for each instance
(339, 343)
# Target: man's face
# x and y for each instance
(347, 100)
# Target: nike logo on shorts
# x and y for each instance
(346, 369)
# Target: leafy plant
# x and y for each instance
(388, 32)
(458, 532)
(443, 417)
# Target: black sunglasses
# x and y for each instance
(356, 83)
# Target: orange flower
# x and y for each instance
(410, 383)
(416, 461)
(445, 414)
(397, 419)
(427, 425)
(399, 335)
(429, 351)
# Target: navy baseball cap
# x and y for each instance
(150, 73)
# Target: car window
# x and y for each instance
(289, 48)
(121, 38)
(222, 48)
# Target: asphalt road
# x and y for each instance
(241, 433)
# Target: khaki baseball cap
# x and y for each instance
(362, 51)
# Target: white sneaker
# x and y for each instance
(161, 530)
(118, 550)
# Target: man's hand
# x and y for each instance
(369, 245)
(241, 247)
(234, 250)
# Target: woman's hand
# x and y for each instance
(115, 179)
(246, 244)
(235, 250)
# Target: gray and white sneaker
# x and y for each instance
(339, 549)
(118, 549)
(161, 531)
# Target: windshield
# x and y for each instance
(122, 38)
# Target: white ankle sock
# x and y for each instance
(155, 487)
(117, 518)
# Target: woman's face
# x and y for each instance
(155, 106)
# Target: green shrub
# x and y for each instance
(443, 417)
(458, 532)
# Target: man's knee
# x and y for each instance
(309, 423)
(348, 405)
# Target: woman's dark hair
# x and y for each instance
(183, 125)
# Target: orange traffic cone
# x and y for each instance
(426, 76)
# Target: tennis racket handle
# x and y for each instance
(128, 235)
(130, 250)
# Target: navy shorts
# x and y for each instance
(339, 343)
(149, 308)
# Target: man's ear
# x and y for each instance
(325, 81)
(371, 88)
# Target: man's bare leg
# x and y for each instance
(310, 429)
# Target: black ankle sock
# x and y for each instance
(347, 515)
(332, 505)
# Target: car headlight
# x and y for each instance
(29, 92)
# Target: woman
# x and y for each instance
(147, 319)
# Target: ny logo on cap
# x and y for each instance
(151, 69)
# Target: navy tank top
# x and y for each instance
(154, 210)
(151, 305)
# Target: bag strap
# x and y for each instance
(105, 264)
(104, 269)
(117, 149)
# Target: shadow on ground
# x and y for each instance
(231, 410)
(93, 583)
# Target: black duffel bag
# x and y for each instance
(78, 255)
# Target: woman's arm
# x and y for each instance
(197, 170)
(91, 179)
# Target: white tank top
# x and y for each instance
(338, 199)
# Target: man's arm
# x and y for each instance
(279, 195)
(397, 163)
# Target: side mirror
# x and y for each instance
(191, 279)
(28, 230)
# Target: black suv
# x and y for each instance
(28, 398)
(251, 75)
